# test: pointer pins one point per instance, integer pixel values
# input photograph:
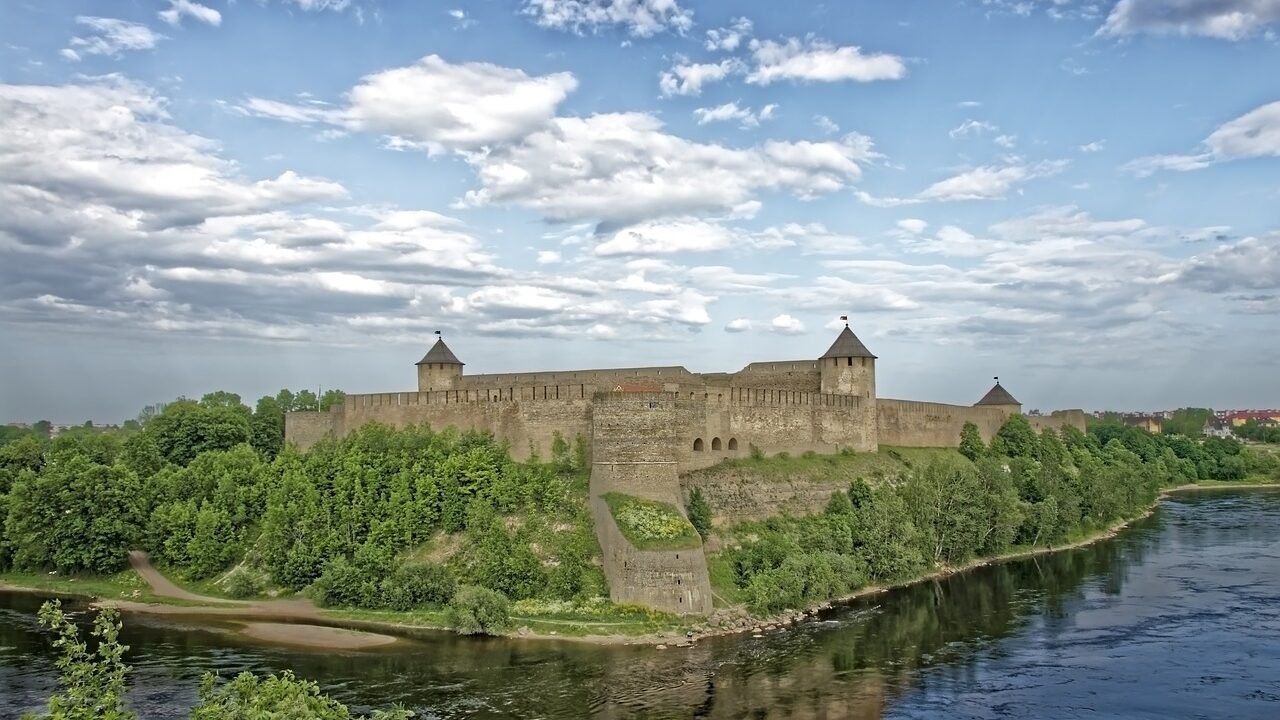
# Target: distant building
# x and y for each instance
(1218, 428)
(1240, 417)
(1150, 423)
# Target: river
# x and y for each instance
(1176, 617)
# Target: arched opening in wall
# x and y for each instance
(715, 443)
(733, 443)
(697, 445)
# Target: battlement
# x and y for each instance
(750, 396)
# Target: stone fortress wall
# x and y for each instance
(646, 426)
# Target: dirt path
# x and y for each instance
(162, 586)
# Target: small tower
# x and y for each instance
(998, 397)
(439, 369)
(848, 368)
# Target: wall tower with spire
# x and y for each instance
(848, 367)
(439, 369)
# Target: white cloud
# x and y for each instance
(786, 325)
(1222, 19)
(640, 18)
(461, 20)
(194, 10)
(731, 112)
(738, 325)
(667, 237)
(1255, 134)
(987, 183)
(438, 105)
(110, 37)
(1093, 147)
(826, 124)
(319, 5)
(620, 168)
(914, 226)
(686, 78)
(729, 38)
(548, 257)
(972, 127)
(1005, 141)
(813, 60)
(980, 183)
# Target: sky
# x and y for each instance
(1079, 196)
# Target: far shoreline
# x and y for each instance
(329, 625)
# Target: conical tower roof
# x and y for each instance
(847, 345)
(998, 396)
(440, 353)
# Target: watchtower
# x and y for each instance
(848, 368)
(439, 369)
(998, 397)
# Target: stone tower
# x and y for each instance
(849, 368)
(439, 369)
(998, 397)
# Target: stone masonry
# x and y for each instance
(648, 425)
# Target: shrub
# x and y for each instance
(275, 696)
(478, 611)
(756, 453)
(91, 683)
(245, 582)
(418, 585)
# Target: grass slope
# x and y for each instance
(651, 525)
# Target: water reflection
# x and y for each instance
(1116, 629)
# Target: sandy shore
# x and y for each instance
(315, 636)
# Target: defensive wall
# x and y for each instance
(647, 426)
(632, 435)
(709, 424)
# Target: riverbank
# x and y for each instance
(297, 622)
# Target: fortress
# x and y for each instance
(645, 426)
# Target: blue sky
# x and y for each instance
(1081, 197)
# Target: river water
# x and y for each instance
(1177, 617)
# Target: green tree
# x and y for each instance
(75, 515)
(91, 684)
(1016, 439)
(971, 445)
(478, 611)
(185, 429)
(699, 512)
(331, 398)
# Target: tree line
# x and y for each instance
(1023, 490)
(211, 491)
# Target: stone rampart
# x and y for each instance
(802, 375)
(1058, 419)
(305, 429)
(908, 423)
(632, 437)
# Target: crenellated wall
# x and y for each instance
(909, 423)
(1058, 419)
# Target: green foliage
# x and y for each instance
(184, 429)
(971, 445)
(699, 512)
(248, 697)
(245, 582)
(90, 684)
(1187, 421)
(651, 525)
(756, 453)
(75, 515)
(1257, 432)
(478, 611)
(1016, 439)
